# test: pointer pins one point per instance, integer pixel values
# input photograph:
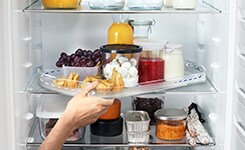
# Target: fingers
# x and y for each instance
(104, 102)
(89, 87)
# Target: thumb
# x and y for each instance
(88, 88)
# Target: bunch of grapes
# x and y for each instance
(81, 58)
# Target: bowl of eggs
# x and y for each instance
(124, 58)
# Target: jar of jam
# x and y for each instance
(151, 61)
(170, 124)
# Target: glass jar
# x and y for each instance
(151, 61)
(168, 3)
(150, 103)
(66, 4)
(145, 4)
(106, 4)
(174, 62)
(184, 4)
(120, 32)
(124, 58)
(142, 28)
(170, 124)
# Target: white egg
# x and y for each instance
(114, 64)
(133, 72)
(107, 69)
(126, 65)
(133, 62)
(122, 59)
(123, 71)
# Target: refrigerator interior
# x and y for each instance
(39, 38)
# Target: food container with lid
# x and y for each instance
(138, 137)
(63, 4)
(145, 4)
(141, 28)
(170, 124)
(184, 4)
(150, 103)
(113, 112)
(124, 58)
(107, 127)
(106, 4)
(151, 61)
(174, 62)
(137, 121)
(49, 110)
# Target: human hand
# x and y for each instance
(82, 110)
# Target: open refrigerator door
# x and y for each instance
(39, 35)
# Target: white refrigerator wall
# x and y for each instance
(38, 39)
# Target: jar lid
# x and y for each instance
(121, 48)
(142, 22)
(171, 114)
(150, 44)
(170, 47)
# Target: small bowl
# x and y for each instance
(82, 71)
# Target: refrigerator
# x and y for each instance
(212, 35)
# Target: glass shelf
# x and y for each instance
(91, 140)
(202, 8)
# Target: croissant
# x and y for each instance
(104, 85)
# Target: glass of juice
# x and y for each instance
(151, 61)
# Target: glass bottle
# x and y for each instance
(120, 32)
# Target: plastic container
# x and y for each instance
(145, 4)
(124, 58)
(63, 4)
(141, 28)
(106, 4)
(184, 4)
(82, 71)
(107, 127)
(138, 137)
(137, 121)
(150, 103)
(113, 112)
(170, 124)
(174, 62)
(120, 32)
(151, 61)
(49, 110)
(168, 3)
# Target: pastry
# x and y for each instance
(104, 85)
(117, 80)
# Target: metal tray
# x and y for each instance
(194, 74)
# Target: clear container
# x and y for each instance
(151, 61)
(137, 121)
(150, 103)
(120, 32)
(138, 137)
(170, 124)
(168, 3)
(124, 58)
(174, 62)
(49, 110)
(106, 4)
(145, 4)
(63, 4)
(142, 28)
(184, 4)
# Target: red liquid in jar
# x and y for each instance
(151, 69)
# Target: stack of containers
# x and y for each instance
(110, 123)
(48, 112)
(137, 126)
